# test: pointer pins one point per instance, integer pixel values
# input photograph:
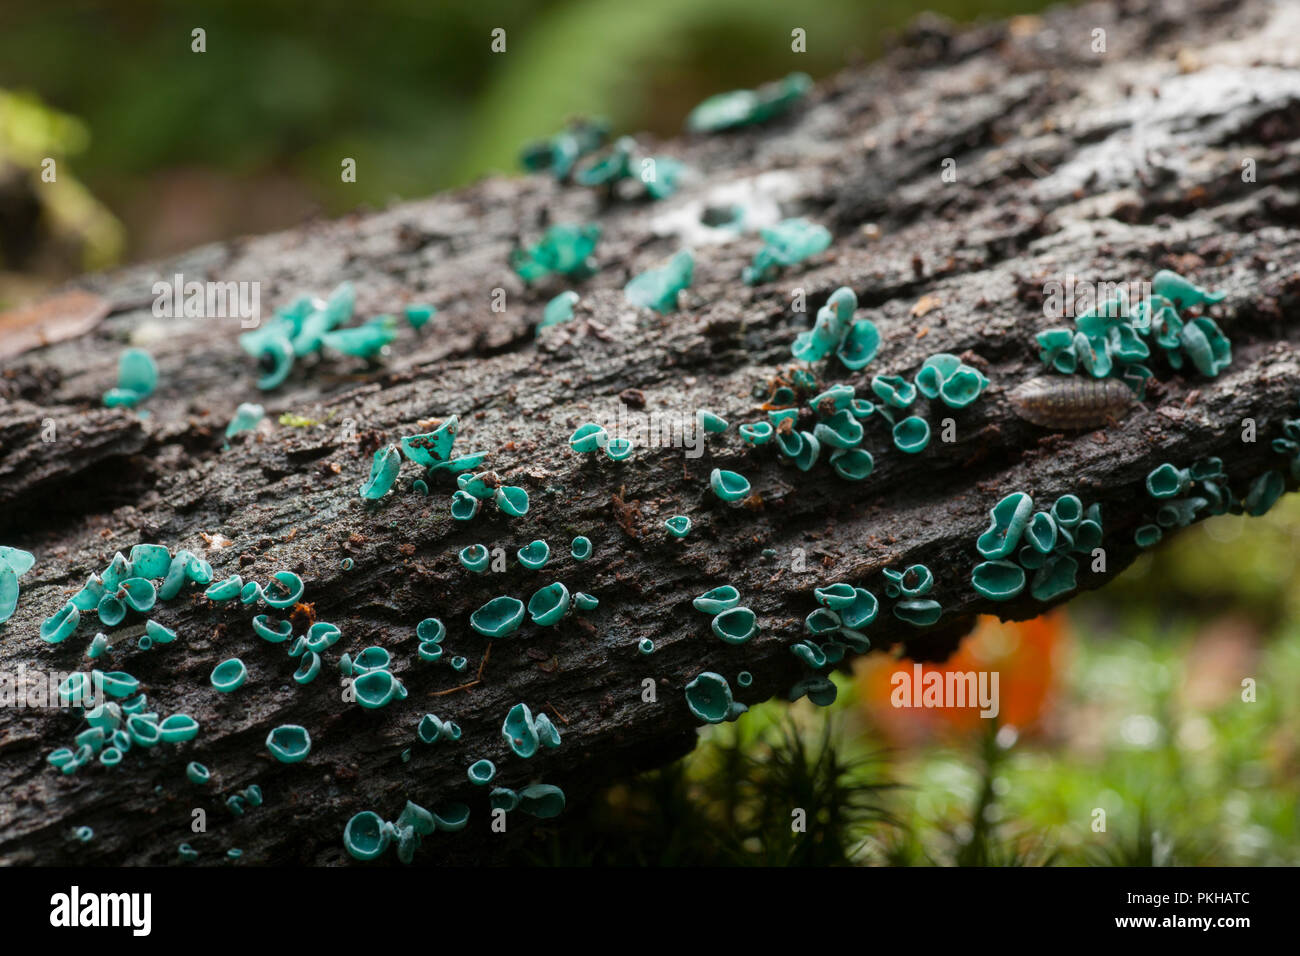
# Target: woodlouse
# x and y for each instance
(1071, 401)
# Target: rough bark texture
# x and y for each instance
(1102, 166)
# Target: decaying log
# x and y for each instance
(1106, 166)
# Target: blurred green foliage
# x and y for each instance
(1148, 724)
(48, 219)
(408, 88)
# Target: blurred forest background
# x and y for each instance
(1129, 700)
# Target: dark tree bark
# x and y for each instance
(1106, 165)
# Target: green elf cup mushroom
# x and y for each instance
(998, 580)
(708, 696)
(499, 617)
(728, 485)
(658, 289)
(384, 468)
(717, 600)
(1009, 517)
(549, 604)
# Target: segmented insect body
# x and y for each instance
(1071, 401)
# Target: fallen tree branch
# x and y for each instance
(1069, 163)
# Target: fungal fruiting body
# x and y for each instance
(1111, 339)
(14, 563)
(854, 342)
(745, 107)
(1070, 402)
(137, 377)
(558, 311)
(709, 697)
(658, 289)
(565, 249)
(289, 743)
(367, 835)
(787, 243)
(559, 153)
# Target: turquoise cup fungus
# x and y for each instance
(861, 612)
(431, 729)
(430, 631)
(366, 836)
(178, 728)
(588, 438)
(549, 604)
(714, 424)
(1009, 518)
(534, 555)
(717, 600)
(464, 506)
(519, 731)
(308, 668)
(377, 688)
(728, 485)
(915, 581)
(822, 620)
(144, 730)
(289, 743)
(511, 501)
(708, 696)
(226, 590)
(1054, 578)
(735, 626)
(618, 449)
(853, 464)
(157, 633)
(998, 580)
(273, 632)
(321, 636)
(229, 675)
(283, 591)
(150, 561)
(59, 626)
(835, 596)
(541, 800)
(499, 617)
(137, 377)
(384, 468)
(474, 558)
(912, 435)
(921, 612)
(840, 431)
(1168, 481)
(373, 658)
(1041, 532)
(809, 451)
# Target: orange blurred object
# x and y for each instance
(1013, 661)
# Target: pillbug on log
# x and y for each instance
(1071, 401)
